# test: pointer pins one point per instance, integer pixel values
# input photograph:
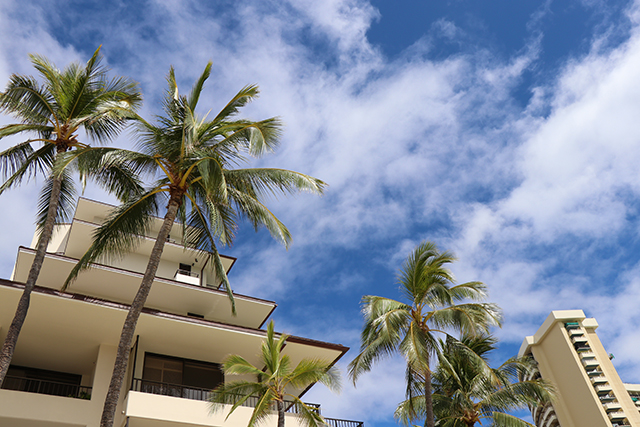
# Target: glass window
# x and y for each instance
(167, 370)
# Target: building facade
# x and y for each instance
(65, 354)
(570, 355)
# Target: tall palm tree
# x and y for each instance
(467, 391)
(273, 382)
(435, 306)
(53, 112)
(192, 160)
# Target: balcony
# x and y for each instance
(167, 294)
(203, 394)
(587, 354)
(590, 363)
(612, 406)
(600, 379)
(51, 388)
(185, 405)
(607, 398)
(579, 339)
(186, 276)
(618, 415)
(605, 388)
(575, 332)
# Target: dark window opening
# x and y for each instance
(185, 269)
(196, 315)
(172, 376)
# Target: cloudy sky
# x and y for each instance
(505, 131)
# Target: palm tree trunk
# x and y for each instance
(280, 413)
(10, 341)
(126, 338)
(429, 421)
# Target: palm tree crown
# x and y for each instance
(435, 306)
(467, 391)
(53, 112)
(193, 161)
(272, 390)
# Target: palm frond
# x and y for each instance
(501, 419)
(257, 138)
(385, 321)
(235, 394)
(261, 182)
(117, 171)
(14, 157)
(307, 416)
(259, 215)
(194, 96)
(309, 371)
(39, 161)
(27, 100)
(221, 275)
(273, 382)
(244, 96)
(238, 365)
(14, 129)
(66, 202)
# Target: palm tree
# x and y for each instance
(435, 306)
(466, 390)
(192, 160)
(270, 389)
(53, 112)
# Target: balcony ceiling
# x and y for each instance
(63, 332)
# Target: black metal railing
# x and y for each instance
(335, 422)
(52, 388)
(195, 393)
(175, 390)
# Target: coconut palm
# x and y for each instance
(52, 111)
(436, 305)
(467, 391)
(271, 390)
(192, 159)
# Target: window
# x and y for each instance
(172, 376)
(184, 269)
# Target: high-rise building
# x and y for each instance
(570, 355)
(65, 354)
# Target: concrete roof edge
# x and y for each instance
(552, 318)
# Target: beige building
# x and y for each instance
(64, 357)
(590, 392)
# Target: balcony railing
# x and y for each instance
(335, 422)
(187, 273)
(46, 387)
(195, 393)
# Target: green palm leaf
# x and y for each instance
(274, 382)
(50, 112)
(435, 305)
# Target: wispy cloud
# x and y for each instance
(538, 201)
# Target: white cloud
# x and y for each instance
(404, 144)
(373, 400)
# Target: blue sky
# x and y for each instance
(505, 131)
